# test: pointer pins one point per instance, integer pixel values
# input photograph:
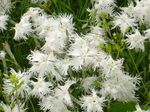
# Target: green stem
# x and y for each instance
(75, 100)
(5, 66)
(108, 105)
(138, 72)
(12, 21)
(70, 73)
(8, 50)
(32, 105)
(30, 102)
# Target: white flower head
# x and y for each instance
(95, 37)
(59, 101)
(41, 63)
(110, 66)
(141, 10)
(82, 53)
(62, 93)
(53, 104)
(54, 44)
(40, 87)
(103, 7)
(120, 87)
(46, 26)
(35, 13)
(136, 41)
(23, 29)
(3, 21)
(66, 23)
(129, 10)
(124, 22)
(63, 66)
(92, 103)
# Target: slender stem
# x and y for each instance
(75, 100)
(138, 72)
(134, 63)
(32, 105)
(12, 21)
(108, 105)
(30, 102)
(70, 73)
(8, 50)
(5, 66)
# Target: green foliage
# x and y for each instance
(122, 107)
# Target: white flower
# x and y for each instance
(138, 109)
(124, 22)
(82, 53)
(36, 14)
(102, 7)
(92, 103)
(66, 24)
(55, 43)
(63, 66)
(2, 54)
(62, 93)
(23, 29)
(110, 66)
(95, 37)
(3, 21)
(41, 63)
(55, 31)
(129, 10)
(58, 101)
(5, 6)
(53, 104)
(98, 58)
(40, 87)
(141, 10)
(136, 41)
(120, 87)
(46, 26)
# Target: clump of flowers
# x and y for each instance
(58, 67)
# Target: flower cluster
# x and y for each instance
(63, 52)
(132, 17)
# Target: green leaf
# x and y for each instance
(122, 107)
(14, 79)
(1, 109)
(17, 86)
